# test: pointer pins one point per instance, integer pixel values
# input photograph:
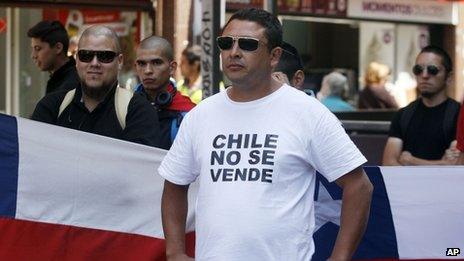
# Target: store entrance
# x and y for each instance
(325, 46)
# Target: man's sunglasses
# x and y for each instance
(86, 56)
(244, 43)
(431, 69)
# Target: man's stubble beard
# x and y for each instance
(97, 93)
(430, 95)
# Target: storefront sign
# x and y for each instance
(426, 11)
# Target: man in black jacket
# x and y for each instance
(49, 42)
(98, 105)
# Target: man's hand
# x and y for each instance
(406, 158)
(452, 154)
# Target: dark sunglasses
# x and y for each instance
(244, 43)
(431, 69)
(86, 56)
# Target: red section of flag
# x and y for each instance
(28, 240)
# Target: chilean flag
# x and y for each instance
(416, 213)
(71, 195)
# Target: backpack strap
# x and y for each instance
(175, 124)
(406, 116)
(122, 97)
(66, 101)
(449, 121)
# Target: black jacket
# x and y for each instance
(141, 120)
(64, 79)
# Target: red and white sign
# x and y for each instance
(422, 11)
(3, 25)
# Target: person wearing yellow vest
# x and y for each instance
(190, 67)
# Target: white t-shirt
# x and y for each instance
(256, 164)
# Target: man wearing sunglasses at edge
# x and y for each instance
(424, 132)
(155, 65)
(255, 149)
(93, 106)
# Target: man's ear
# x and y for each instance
(172, 68)
(298, 79)
(275, 56)
(59, 48)
(449, 79)
(120, 61)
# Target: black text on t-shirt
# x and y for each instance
(229, 150)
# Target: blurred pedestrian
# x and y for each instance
(290, 68)
(50, 42)
(337, 86)
(375, 95)
(190, 67)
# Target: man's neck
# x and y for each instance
(153, 93)
(434, 100)
(60, 61)
(91, 101)
(245, 92)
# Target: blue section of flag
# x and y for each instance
(379, 240)
(9, 158)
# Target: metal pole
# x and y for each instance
(270, 6)
(8, 62)
(210, 28)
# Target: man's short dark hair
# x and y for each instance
(51, 32)
(290, 61)
(445, 58)
(273, 28)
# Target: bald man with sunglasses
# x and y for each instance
(424, 132)
(92, 106)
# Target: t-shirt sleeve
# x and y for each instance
(395, 128)
(179, 165)
(332, 152)
(460, 130)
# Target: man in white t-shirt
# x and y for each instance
(254, 150)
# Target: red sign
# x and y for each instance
(3, 25)
(325, 7)
(239, 4)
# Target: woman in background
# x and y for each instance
(375, 95)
